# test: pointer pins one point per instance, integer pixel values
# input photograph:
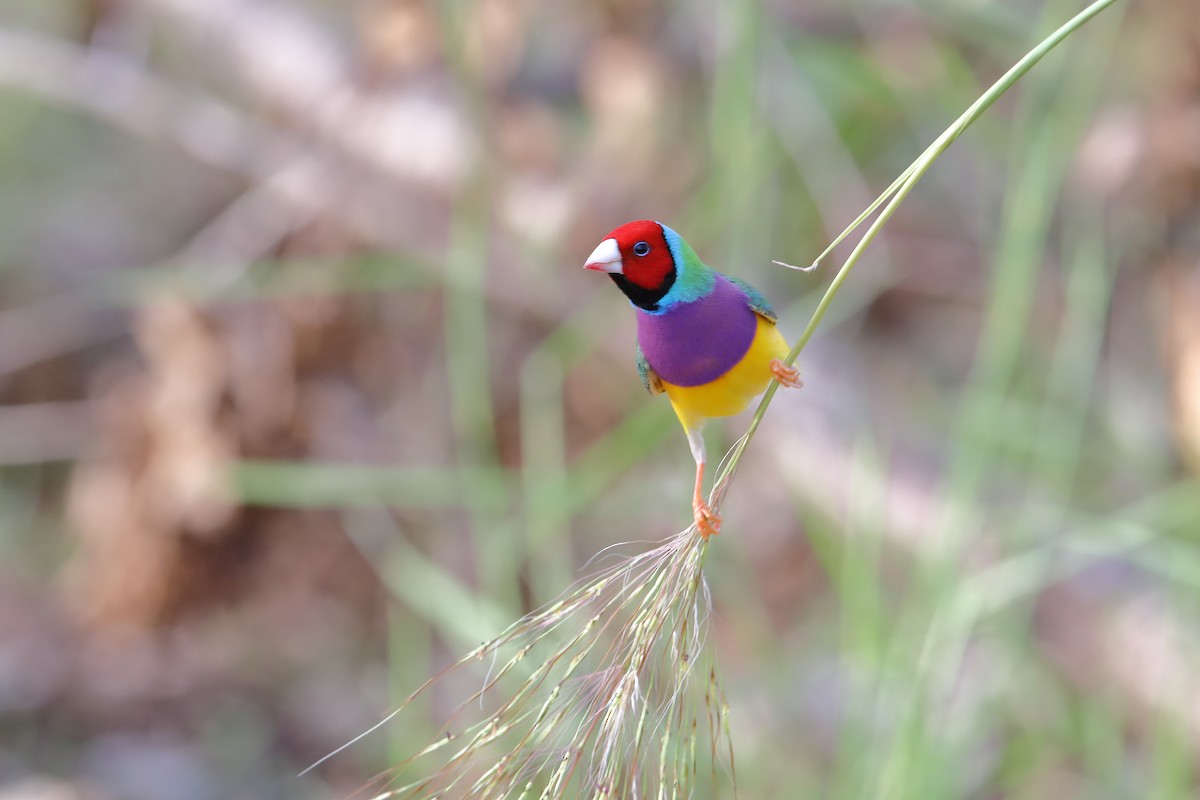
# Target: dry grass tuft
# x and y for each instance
(604, 693)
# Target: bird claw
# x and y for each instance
(787, 376)
(708, 522)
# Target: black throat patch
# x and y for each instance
(641, 297)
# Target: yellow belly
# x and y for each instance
(733, 391)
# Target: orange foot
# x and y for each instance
(707, 522)
(788, 376)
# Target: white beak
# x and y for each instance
(606, 257)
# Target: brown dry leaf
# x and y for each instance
(160, 476)
(160, 535)
(183, 480)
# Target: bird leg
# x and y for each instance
(708, 522)
(788, 376)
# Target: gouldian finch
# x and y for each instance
(707, 340)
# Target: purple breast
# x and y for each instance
(695, 343)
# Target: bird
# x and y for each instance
(707, 340)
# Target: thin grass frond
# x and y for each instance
(604, 693)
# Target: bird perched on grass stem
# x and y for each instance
(707, 340)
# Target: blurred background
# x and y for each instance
(304, 393)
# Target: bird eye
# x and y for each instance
(641, 248)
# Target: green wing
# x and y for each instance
(757, 302)
(650, 378)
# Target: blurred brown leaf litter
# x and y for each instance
(241, 232)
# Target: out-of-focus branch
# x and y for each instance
(213, 133)
(124, 95)
(366, 159)
(292, 66)
(304, 175)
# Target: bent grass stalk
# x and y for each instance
(890, 201)
(598, 695)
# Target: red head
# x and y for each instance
(638, 259)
